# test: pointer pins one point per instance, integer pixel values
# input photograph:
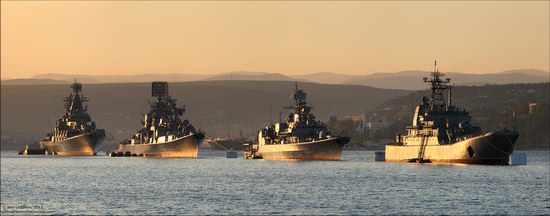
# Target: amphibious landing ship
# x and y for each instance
(441, 132)
(164, 133)
(300, 137)
(75, 134)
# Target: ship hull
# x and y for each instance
(493, 148)
(184, 147)
(81, 145)
(328, 149)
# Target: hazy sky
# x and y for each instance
(126, 37)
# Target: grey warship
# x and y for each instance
(443, 133)
(164, 133)
(300, 137)
(75, 134)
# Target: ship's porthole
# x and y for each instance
(471, 151)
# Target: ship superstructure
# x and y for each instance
(164, 132)
(442, 132)
(75, 134)
(299, 137)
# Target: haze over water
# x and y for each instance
(213, 184)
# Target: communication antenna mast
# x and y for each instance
(438, 85)
(450, 97)
(77, 87)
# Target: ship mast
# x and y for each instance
(300, 105)
(438, 85)
(77, 87)
(75, 111)
(450, 97)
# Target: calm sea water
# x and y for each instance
(213, 184)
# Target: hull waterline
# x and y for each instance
(328, 149)
(81, 145)
(184, 147)
(492, 148)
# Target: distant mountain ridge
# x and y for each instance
(33, 82)
(406, 80)
(92, 79)
(254, 76)
(412, 80)
(326, 77)
(533, 72)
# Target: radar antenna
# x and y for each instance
(438, 85)
(159, 89)
(77, 87)
(299, 97)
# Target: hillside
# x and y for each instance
(255, 76)
(533, 72)
(326, 77)
(29, 111)
(33, 82)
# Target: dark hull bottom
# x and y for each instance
(488, 161)
(329, 149)
(187, 146)
(492, 148)
(81, 145)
